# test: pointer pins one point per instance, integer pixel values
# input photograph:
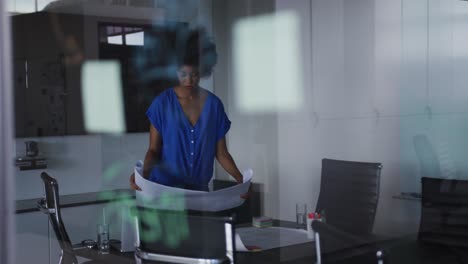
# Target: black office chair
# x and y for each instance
(443, 226)
(444, 212)
(349, 194)
(50, 205)
(184, 237)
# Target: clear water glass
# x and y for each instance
(301, 215)
(103, 238)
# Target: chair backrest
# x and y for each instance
(51, 206)
(444, 212)
(250, 208)
(349, 194)
(184, 236)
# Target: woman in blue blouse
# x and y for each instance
(188, 125)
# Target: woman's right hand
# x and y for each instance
(133, 185)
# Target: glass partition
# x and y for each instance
(343, 108)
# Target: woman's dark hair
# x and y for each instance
(195, 48)
(168, 47)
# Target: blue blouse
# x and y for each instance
(188, 152)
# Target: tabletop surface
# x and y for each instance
(288, 254)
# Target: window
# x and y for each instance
(121, 35)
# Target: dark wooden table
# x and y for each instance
(114, 256)
(300, 253)
(403, 250)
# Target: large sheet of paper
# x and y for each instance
(268, 238)
(159, 196)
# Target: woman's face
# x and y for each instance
(188, 76)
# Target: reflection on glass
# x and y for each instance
(102, 97)
(267, 75)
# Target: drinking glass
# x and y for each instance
(301, 215)
(103, 238)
